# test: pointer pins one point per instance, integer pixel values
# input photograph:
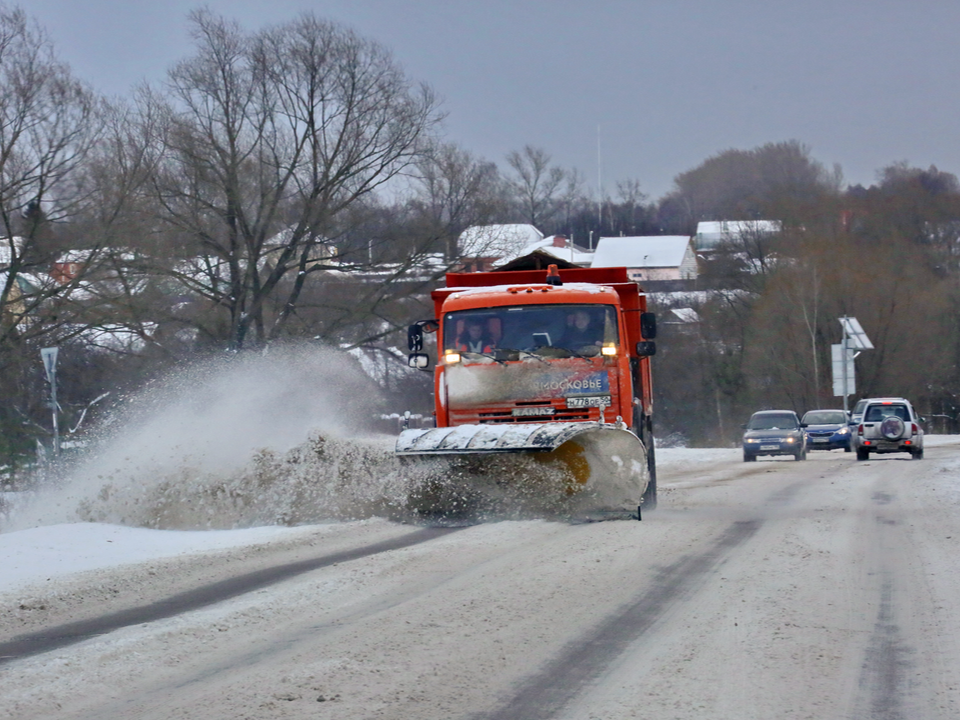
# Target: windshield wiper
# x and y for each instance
(483, 354)
(535, 354)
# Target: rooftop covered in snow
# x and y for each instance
(649, 257)
(641, 251)
(712, 233)
(557, 246)
(497, 241)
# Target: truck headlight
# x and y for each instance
(451, 358)
(608, 350)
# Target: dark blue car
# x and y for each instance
(827, 430)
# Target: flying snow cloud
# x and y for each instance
(222, 443)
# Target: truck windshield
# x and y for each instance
(573, 329)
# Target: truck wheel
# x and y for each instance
(863, 454)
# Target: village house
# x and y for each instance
(713, 233)
(481, 247)
(657, 261)
(486, 247)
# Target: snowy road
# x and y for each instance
(821, 589)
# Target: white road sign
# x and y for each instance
(49, 356)
(836, 355)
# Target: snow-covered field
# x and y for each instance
(825, 588)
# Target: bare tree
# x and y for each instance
(536, 183)
(629, 192)
(631, 209)
(457, 190)
(47, 129)
(48, 126)
(273, 137)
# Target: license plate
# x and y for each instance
(769, 447)
(585, 402)
(820, 439)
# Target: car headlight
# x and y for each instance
(843, 431)
(751, 440)
(789, 439)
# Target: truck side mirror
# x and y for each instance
(415, 338)
(418, 361)
(648, 326)
(415, 333)
(646, 348)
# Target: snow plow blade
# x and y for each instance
(573, 467)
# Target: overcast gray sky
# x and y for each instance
(664, 84)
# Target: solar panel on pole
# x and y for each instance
(856, 338)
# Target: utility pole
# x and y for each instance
(843, 354)
(599, 184)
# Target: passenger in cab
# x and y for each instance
(476, 338)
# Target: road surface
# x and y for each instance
(776, 589)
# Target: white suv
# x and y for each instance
(889, 425)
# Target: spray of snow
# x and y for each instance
(242, 441)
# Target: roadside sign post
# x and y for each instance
(844, 379)
(49, 356)
(854, 339)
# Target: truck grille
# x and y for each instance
(505, 415)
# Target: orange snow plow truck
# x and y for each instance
(542, 382)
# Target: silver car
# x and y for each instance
(889, 425)
(856, 415)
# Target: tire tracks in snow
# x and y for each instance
(61, 636)
(883, 686)
(586, 659)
